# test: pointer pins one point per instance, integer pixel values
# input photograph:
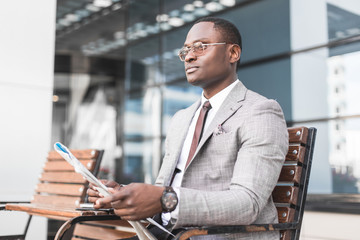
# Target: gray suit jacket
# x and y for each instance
(235, 167)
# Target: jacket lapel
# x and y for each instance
(230, 105)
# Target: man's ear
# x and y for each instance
(235, 53)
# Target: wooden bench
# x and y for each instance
(289, 195)
(60, 189)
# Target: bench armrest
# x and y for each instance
(2, 204)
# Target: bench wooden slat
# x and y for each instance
(62, 189)
(290, 173)
(296, 153)
(65, 166)
(285, 194)
(285, 235)
(297, 135)
(62, 177)
(285, 214)
(56, 200)
(79, 154)
(95, 232)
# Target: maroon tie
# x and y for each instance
(198, 130)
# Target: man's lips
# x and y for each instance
(190, 69)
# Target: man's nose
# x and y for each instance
(190, 56)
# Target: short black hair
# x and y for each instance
(229, 31)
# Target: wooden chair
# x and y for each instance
(289, 195)
(60, 189)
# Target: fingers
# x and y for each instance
(92, 192)
(104, 202)
(91, 186)
(119, 204)
(125, 215)
(93, 195)
(112, 191)
(111, 184)
(107, 183)
(119, 199)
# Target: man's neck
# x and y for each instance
(209, 92)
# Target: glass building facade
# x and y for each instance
(118, 79)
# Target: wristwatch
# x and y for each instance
(169, 199)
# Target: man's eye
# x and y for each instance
(199, 47)
(184, 51)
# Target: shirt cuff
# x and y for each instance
(174, 214)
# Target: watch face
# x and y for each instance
(170, 200)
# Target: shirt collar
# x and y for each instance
(218, 98)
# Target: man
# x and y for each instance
(238, 153)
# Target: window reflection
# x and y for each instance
(141, 161)
(142, 114)
(343, 19)
(133, 168)
(177, 97)
(344, 158)
(261, 36)
(344, 134)
(343, 72)
(91, 118)
(143, 64)
(173, 67)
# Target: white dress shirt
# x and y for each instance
(215, 103)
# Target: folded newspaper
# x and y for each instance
(141, 231)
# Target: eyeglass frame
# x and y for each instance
(191, 48)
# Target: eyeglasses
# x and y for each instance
(197, 48)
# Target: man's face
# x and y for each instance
(212, 67)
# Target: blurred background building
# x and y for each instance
(105, 74)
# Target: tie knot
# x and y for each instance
(206, 106)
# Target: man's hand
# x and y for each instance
(135, 201)
(94, 195)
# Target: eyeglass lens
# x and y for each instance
(197, 48)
